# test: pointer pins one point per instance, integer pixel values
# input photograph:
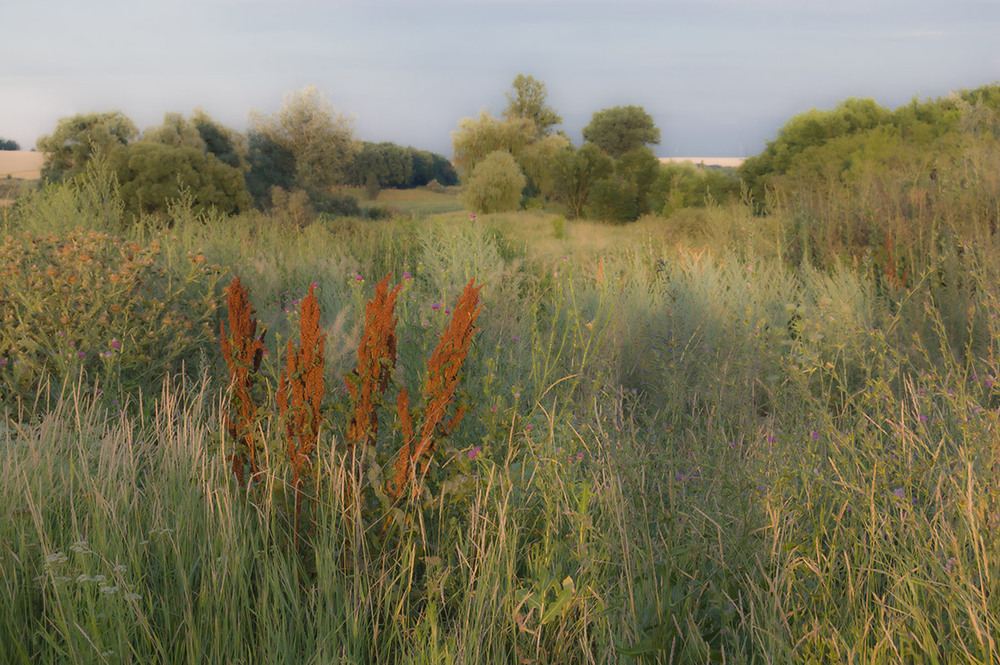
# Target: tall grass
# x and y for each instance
(679, 448)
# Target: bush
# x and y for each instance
(96, 305)
(153, 175)
(495, 185)
(335, 205)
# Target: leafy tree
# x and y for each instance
(535, 162)
(624, 195)
(77, 139)
(573, 174)
(175, 132)
(228, 145)
(478, 137)
(153, 174)
(680, 186)
(621, 129)
(9, 144)
(400, 167)
(495, 184)
(319, 137)
(809, 130)
(430, 166)
(527, 99)
(271, 165)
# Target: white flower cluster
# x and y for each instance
(81, 547)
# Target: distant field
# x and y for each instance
(21, 164)
(725, 162)
(416, 202)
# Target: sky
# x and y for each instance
(719, 77)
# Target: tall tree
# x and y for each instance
(621, 129)
(175, 132)
(8, 144)
(477, 137)
(527, 99)
(228, 145)
(574, 173)
(77, 139)
(320, 138)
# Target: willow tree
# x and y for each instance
(319, 138)
(78, 139)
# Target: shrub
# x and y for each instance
(495, 185)
(93, 305)
(335, 205)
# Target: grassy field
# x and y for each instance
(676, 447)
(412, 202)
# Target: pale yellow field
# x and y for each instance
(729, 162)
(21, 164)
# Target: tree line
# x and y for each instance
(520, 159)
(299, 156)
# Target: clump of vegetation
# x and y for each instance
(243, 351)
(495, 184)
(99, 308)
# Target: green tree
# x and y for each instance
(624, 195)
(319, 137)
(686, 185)
(153, 175)
(527, 99)
(478, 137)
(807, 130)
(573, 174)
(228, 145)
(621, 129)
(495, 184)
(428, 166)
(8, 144)
(400, 167)
(176, 131)
(77, 139)
(271, 165)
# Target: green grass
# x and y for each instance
(690, 452)
(416, 203)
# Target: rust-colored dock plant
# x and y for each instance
(443, 372)
(300, 395)
(242, 350)
(376, 360)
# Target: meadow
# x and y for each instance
(678, 446)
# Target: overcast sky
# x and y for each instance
(718, 76)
